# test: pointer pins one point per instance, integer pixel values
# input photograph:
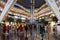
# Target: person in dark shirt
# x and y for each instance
(3, 31)
(26, 28)
(4, 28)
(42, 30)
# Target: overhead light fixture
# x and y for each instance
(40, 18)
(16, 16)
(23, 18)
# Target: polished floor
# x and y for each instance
(37, 36)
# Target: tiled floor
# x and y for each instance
(37, 37)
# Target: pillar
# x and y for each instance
(32, 10)
(52, 4)
(9, 4)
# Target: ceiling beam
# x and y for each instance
(37, 14)
(6, 8)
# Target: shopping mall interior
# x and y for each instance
(29, 19)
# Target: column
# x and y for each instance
(9, 4)
(54, 8)
(32, 9)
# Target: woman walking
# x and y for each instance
(48, 30)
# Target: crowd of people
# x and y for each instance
(20, 32)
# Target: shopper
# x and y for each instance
(7, 31)
(48, 30)
(26, 28)
(3, 31)
(42, 30)
(15, 31)
(31, 30)
(12, 32)
(7, 28)
(18, 32)
(55, 30)
(21, 33)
